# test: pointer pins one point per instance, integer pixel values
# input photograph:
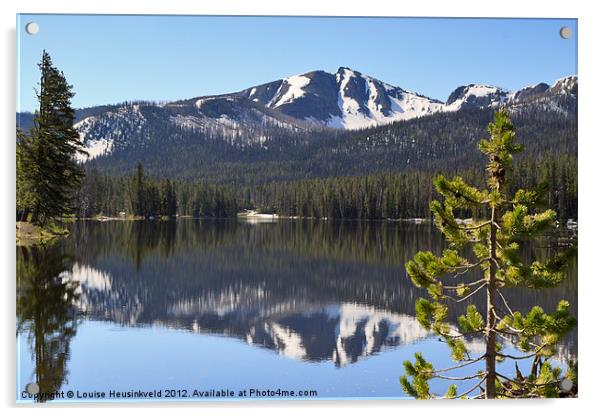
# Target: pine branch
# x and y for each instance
(459, 300)
(495, 261)
(476, 282)
(478, 375)
(549, 383)
(504, 301)
(475, 227)
(501, 335)
(471, 390)
(518, 331)
(464, 334)
(466, 268)
(523, 357)
(464, 364)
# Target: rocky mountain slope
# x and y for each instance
(313, 101)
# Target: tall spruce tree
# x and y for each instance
(138, 192)
(48, 174)
(496, 252)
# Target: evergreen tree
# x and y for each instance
(24, 160)
(495, 244)
(46, 311)
(47, 173)
(169, 205)
(139, 200)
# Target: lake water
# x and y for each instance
(216, 306)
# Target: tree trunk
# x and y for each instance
(35, 217)
(24, 214)
(490, 353)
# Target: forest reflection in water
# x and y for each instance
(314, 291)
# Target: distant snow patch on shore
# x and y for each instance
(250, 215)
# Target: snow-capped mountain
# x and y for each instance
(351, 100)
(346, 99)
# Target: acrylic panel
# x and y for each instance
(295, 208)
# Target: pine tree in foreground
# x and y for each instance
(48, 174)
(495, 244)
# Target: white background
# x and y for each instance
(590, 201)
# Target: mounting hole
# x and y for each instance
(32, 388)
(566, 32)
(32, 28)
(566, 385)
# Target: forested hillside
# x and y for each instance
(441, 141)
(378, 196)
(285, 167)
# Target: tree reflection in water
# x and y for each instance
(46, 311)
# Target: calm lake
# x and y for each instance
(128, 306)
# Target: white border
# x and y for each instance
(590, 139)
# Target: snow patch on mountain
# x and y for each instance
(413, 105)
(94, 146)
(346, 104)
(475, 96)
(100, 133)
(482, 90)
(373, 94)
(384, 103)
(291, 89)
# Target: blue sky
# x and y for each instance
(110, 59)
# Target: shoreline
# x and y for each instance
(253, 217)
(28, 234)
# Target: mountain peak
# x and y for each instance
(345, 68)
(475, 96)
(565, 85)
(346, 99)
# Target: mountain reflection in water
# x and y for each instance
(314, 291)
